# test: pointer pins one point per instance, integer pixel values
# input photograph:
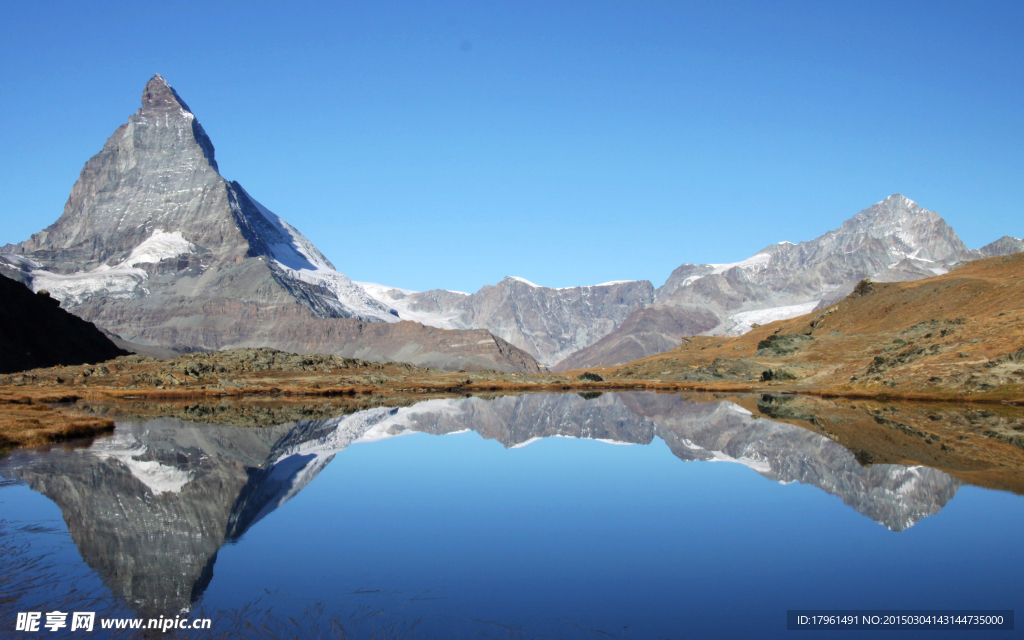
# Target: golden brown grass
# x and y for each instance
(962, 323)
(27, 420)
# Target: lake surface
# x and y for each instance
(625, 515)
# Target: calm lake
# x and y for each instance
(616, 515)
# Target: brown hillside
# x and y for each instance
(958, 334)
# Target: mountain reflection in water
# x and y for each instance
(150, 507)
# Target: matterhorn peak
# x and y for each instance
(161, 105)
(161, 96)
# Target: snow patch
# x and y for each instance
(524, 281)
(382, 293)
(614, 282)
(755, 262)
(690, 280)
(558, 435)
(157, 247)
(21, 261)
(735, 408)
(159, 477)
(760, 466)
(75, 288)
(742, 322)
(119, 281)
(527, 442)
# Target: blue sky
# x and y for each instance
(446, 145)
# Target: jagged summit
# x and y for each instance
(158, 95)
(902, 229)
(160, 98)
(900, 200)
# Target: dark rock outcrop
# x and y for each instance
(36, 332)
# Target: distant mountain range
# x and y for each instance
(617, 322)
(155, 246)
(893, 240)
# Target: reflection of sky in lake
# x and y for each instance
(568, 535)
(607, 537)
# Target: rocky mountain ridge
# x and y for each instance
(548, 323)
(893, 240)
(613, 323)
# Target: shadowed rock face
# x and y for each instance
(150, 507)
(157, 247)
(36, 332)
(648, 331)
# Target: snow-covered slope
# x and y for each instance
(120, 281)
(403, 304)
(295, 258)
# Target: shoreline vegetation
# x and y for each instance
(981, 442)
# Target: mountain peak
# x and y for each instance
(160, 99)
(161, 96)
(898, 199)
(895, 208)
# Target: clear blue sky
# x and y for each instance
(446, 145)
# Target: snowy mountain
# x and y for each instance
(152, 201)
(157, 247)
(616, 322)
(893, 240)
